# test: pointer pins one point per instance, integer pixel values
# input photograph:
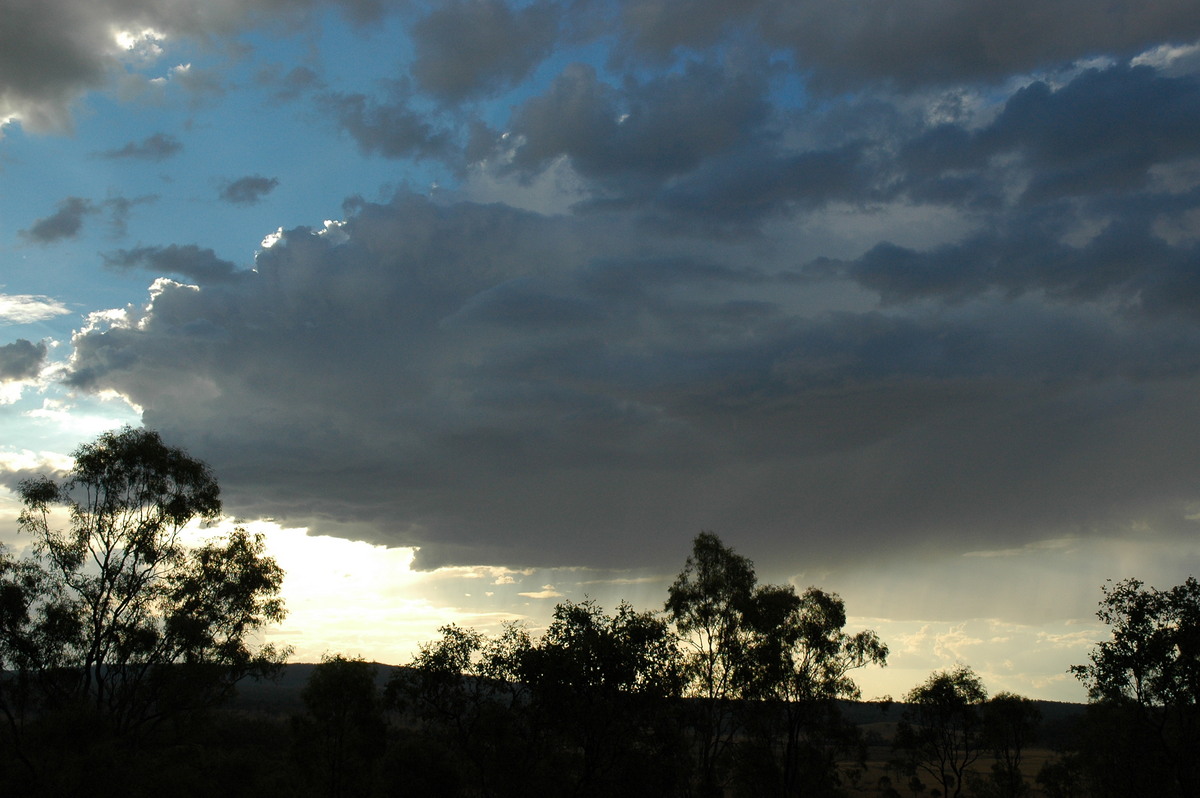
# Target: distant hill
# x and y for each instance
(282, 696)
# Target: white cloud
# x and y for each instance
(29, 308)
(547, 592)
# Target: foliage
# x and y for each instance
(765, 664)
(343, 731)
(940, 733)
(1148, 675)
(112, 615)
(708, 603)
(468, 692)
(605, 687)
(584, 710)
(1010, 725)
(799, 660)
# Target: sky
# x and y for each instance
(476, 306)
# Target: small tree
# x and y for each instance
(940, 733)
(1010, 725)
(343, 731)
(112, 613)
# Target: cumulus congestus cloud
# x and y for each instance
(828, 274)
(470, 379)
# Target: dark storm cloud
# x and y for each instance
(931, 41)
(21, 360)
(656, 128)
(997, 316)
(154, 148)
(66, 222)
(1093, 161)
(499, 386)
(248, 190)
(1125, 264)
(1103, 131)
(468, 48)
(190, 261)
(736, 194)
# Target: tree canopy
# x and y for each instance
(111, 613)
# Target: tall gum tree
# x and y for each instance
(708, 603)
(112, 613)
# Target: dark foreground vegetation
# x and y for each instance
(120, 651)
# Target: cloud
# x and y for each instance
(500, 386)
(29, 308)
(391, 128)
(547, 592)
(21, 360)
(929, 42)
(297, 82)
(66, 222)
(468, 48)
(248, 190)
(659, 127)
(190, 261)
(52, 52)
(157, 147)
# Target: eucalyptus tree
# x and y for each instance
(756, 653)
(941, 731)
(1010, 726)
(800, 660)
(709, 603)
(469, 694)
(607, 688)
(343, 730)
(1145, 682)
(111, 612)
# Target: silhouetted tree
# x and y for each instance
(343, 730)
(1010, 725)
(799, 659)
(940, 732)
(708, 603)
(1148, 678)
(606, 687)
(470, 694)
(111, 614)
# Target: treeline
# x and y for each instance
(120, 648)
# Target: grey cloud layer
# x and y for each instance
(500, 386)
(66, 222)
(680, 347)
(53, 51)
(194, 263)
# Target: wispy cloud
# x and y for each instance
(28, 308)
(156, 147)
